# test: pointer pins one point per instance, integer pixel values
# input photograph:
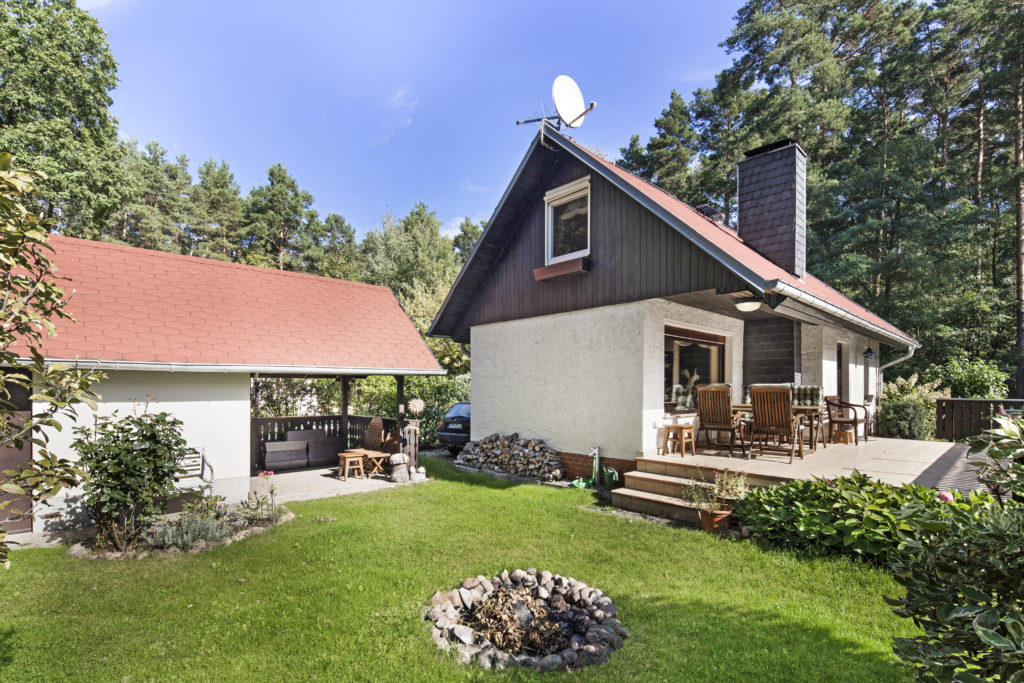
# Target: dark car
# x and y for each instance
(453, 432)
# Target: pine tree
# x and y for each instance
(218, 210)
(157, 214)
(278, 222)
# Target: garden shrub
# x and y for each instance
(131, 463)
(187, 531)
(967, 378)
(1001, 466)
(378, 396)
(905, 419)
(912, 389)
(963, 571)
(853, 515)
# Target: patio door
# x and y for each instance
(840, 372)
(14, 458)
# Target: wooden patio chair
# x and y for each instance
(838, 416)
(773, 416)
(714, 411)
(374, 456)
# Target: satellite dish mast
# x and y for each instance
(568, 103)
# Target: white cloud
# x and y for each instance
(92, 4)
(401, 105)
(451, 227)
(468, 185)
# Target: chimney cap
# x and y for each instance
(772, 146)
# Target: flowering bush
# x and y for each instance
(912, 389)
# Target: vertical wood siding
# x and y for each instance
(634, 255)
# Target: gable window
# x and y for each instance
(567, 221)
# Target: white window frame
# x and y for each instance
(554, 198)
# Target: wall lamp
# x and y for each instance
(748, 305)
(869, 354)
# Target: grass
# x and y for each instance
(344, 600)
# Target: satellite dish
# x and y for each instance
(568, 101)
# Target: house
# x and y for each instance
(190, 333)
(593, 298)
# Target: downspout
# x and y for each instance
(881, 368)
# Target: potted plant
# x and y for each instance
(714, 516)
(730, 486)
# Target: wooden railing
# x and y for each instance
(275, 428)
(957, 419)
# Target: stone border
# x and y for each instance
(594, 615)
(88, 553)
(514, 478)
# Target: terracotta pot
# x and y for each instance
(715, 521)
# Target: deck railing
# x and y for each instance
(275, 428)
(957, 419)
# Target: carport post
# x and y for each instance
(344, 409)
(400, 381)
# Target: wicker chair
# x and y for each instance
(714, 411)
(773, 416)
(837, 416)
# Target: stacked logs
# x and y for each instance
(512, 455)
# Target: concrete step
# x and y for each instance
(687, 468)
(655, 504)
(663, 484)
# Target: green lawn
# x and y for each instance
(343, 600)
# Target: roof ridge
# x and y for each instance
(199, 260)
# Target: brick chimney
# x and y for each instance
(773, 203)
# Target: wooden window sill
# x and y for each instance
(570, 267)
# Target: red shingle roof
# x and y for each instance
(733, 246)
(142, 306)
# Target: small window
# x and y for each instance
(568, 221)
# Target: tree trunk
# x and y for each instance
(1019, 206)
(979, 177)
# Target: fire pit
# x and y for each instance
(526, 618)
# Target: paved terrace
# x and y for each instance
(938, 464)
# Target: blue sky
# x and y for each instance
(377, 105)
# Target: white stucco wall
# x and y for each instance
(587, 378)
(213, 407)
(572, 379)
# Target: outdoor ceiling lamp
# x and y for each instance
(869, 354)
(748, 305)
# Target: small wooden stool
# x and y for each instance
(843, 436)
(350, 462)
(675, 439)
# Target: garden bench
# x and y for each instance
(196, 467)
(302, 448)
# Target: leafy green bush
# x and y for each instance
(1001, 466)
(905, 419)
(912, 389)
(963, 577)
(853, 515)
(131, 464)
(977, 378)
(378, 396)
(187, 531)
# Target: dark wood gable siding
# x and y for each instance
(634, 255)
